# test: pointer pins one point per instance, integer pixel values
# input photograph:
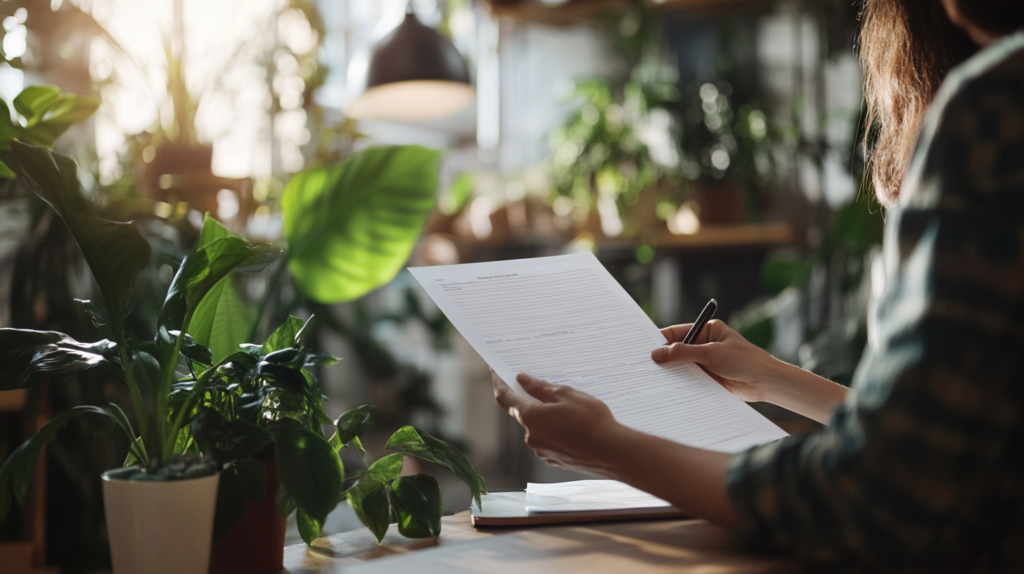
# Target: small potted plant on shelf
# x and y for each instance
(727, 151)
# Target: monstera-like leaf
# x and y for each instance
(116, 252)
(351, 225)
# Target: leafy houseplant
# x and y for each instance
(115, 253)
(231, 408)
(262, 399)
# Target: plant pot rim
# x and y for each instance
(107, 478)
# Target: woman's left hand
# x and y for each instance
(566, 428)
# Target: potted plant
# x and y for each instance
(217, 417)
(160, 511)
(260, 416)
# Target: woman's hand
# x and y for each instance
(749, 372)
(743, 368)
(574, 430)
(566, 428)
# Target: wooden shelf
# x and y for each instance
(575, 10)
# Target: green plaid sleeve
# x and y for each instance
(923, 466)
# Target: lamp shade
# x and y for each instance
(415, 73)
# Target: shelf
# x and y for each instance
(575, 10)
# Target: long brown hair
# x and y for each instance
(906, 49)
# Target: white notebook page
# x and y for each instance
(588, 495)
(566, 320)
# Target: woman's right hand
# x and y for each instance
(749, 372)
(743, 368)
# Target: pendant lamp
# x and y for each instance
(415, 73)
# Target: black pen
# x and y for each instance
(702, 319)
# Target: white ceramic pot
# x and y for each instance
(160, 527)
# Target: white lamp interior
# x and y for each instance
(411, 101)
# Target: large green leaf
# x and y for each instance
(418, 443)
(222, 321)
(16, 473)
(310, 470)
(369, 499)
(33, 102)
(116, 252)
(226, 440)
(24, 352)
(49, 113)
(217, 253)
(309, 527)
(355, 422)
(417, 503)
(351, 225)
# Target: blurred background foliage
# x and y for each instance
(700, 153)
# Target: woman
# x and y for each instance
(921, 466)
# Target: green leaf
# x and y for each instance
(16, 473)
(195, 351)
(310, 470)
(33, 102)
(386, 468)
(458, 194)
(97, 314)
(369, 499)
(222, 321)
(352, 225)
(253, 477)
(230, 503)
(23, 353)
(8, 131)
(309, 527)
(240, 482)
(284, 336)
(145, 370)
(418, 443)
(285, 504)
(227, 440)
(417, 502)
(213, 258)
(66, 111)
(355, 422)
(115, 252)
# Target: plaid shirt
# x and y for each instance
(922, 468)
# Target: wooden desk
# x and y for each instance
(635, 547)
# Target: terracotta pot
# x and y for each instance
(160, 527)
(720, 202)
(256, 543)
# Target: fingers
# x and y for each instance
(505, 396)
(680, 353)
(714, 330)
(675, 333)
(538, 388)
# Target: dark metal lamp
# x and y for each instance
(415, 73)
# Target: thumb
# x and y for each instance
(679, 353)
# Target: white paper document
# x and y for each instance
(566, 320)
(588, 495)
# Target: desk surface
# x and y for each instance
(643, 547)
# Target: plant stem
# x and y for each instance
(271, 289)
(166, 443)
(138, 404)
